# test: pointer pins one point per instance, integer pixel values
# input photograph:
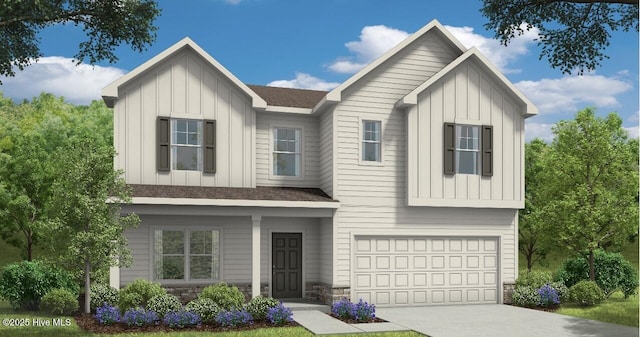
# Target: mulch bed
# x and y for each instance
(88, 322)
(547, 309)
(353, 321)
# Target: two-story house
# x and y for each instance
(401, 186)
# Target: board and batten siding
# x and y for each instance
(374, 197)
(466, 95)
(184, 86)
(265, 122)
(235, 244)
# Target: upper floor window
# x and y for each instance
(287, 154)
(186, 144)
(468, 149)
(371, 141)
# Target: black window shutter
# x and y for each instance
(487, 150)
(209, 146)
(449, 148)
(164, 145)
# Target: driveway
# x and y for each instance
(494, 320)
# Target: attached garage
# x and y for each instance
(395, 271)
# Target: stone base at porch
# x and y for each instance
(187, 293)
(326, 294)
(507, 292)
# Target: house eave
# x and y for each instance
(235, 203)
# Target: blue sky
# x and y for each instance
(320, 43)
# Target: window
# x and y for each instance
(371, 144)
(186, 255)
(468, 149)
(286, 152)
(186, 144)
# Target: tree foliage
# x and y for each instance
(106, 23)
(573, 33)
(591, 184)
(533, 234)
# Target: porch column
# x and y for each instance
(255, 255)
(114, 272)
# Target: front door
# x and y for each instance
(287, 265)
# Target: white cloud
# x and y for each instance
(232, 2)
(60, 76)
(538, 130)
(499, 55)
(374, 41)
(572, 93)
(304, 81)
(633, 131)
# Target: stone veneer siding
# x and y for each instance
(507, 292)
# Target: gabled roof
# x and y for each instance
(472, 54)
(110, 92)
(335, 95)
(289, 97)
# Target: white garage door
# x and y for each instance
(425, 270)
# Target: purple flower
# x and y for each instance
(279, 315)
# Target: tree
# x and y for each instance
(591, 184)
(86, 201)
(533, 234)
(107, 24)
(573, 33)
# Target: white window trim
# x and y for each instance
(173, 145)
(478, 151)
(362, 162)
(303, 158)
(152, 260)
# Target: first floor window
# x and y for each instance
(467, 149)
(186, 144)
(186, 255)
(371, 144)
(287, 154)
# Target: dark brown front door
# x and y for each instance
(287, 265)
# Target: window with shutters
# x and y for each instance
(468, 149)
(186, 144)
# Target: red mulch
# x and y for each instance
(89, 323)
(353, 321)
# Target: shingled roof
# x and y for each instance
(234, 193)
(289, 97)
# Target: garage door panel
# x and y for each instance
(419, 271)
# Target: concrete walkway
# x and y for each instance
(494, 320)
(315, 319)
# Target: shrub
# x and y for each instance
(138, 293)
(363, 311)
(24, 283)
(342, 308)
(206, 308)
(181, 319)
(279, 315)
(259, 306)
(139, 317)
(563, 291)
(234, 318)
(612, 272)
(101, 294)
(59, 302)
(533, 279)
(107, 314)
(548, 296)
(226, 297)
(163, 304)
(586, 293)
(526, 297)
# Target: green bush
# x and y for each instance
(24, 283)
(205, 307)
(259, 306)
(164, 303)
(563, 291)
(226, 297)
(525, 296)
(586, 293)
(612, 272)
(101, 294)
(533, 279)
(59, 302)
(138, 293)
